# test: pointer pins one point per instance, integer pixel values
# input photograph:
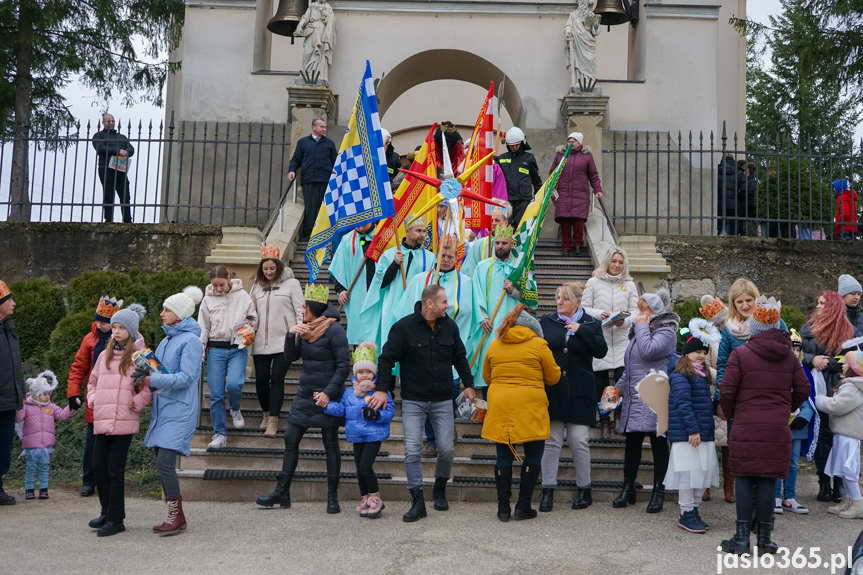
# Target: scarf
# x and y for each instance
(699, 369)
(317, 328)
(571, 319)
(361, 388)
(738, 329)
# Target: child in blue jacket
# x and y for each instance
(365, 427)
(692, 467)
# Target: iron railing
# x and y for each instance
(656, 183)
(191, 172)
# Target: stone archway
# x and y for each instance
(447, 64)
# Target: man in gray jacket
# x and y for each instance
(11, 385)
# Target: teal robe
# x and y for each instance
(478, 252)
(379, 308)
(487, 287)
(347, 260)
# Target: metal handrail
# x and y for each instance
(608, 221)
(278, 212)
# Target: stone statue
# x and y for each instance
(318, 26)
(580, 34)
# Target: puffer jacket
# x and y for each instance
(279, 307)
(326, 365)
(38, 428)
(11, 376)
(845, 408)
(650, 347)
(174, 415)
(690, 406)
(357, 428)
(219, 313)
(518, 366)
(855, 316)
(112, 397)
(727, 344)
(732, 183)
(604, 293)
(577, 178)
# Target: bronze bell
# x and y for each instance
(613, 12)
(287, 17)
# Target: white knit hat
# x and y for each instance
(40, 383)
(577, 136)
(847, 284)
(183, 304)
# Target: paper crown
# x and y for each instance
(317, 292)
(270, 252)
(107, 307)
(699, 335)
(503, 232)
(420, 221)
(364, 354)
(767, 311)
(714, 310)
(5, 292)
(503, 208)
(796, 340)
(449, 241)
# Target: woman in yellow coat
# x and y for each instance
(517, 367)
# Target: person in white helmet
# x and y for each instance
(521, 173)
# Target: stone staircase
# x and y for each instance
(248, 466)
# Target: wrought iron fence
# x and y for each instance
(192, 172)
(658, 183)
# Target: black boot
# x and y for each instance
(765, 545)
(503, 482)
(418, 506)
(333, 495)
(825, 494)
(584, 499)
(547, 500)
(281, 494)
(439, 494)
(529, 475)
(627, 494)
(657, 498)
(739, 544)
(838, 490)
(110, 528)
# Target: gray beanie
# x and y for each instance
(658, 302)
(130, 318)
(848, 284)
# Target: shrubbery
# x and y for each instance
(39, 307)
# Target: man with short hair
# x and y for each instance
(314, 157)
(427, 344)
(11, 385)
(113, 151)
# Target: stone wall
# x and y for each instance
(792, 270)
(62, 251)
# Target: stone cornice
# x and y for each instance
(468, 7)
(689, 11)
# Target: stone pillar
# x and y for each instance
(304, 103)
(584, 112)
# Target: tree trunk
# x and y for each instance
(19, 189)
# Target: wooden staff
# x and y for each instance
(399, 249)
(484, 335)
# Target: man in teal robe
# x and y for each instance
(481, 249)
(349, 256)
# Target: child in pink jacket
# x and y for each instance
(37, 431)
(116, 402)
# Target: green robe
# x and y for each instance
(381, 303)
(487, 288)
(478, 252)
(347, 260)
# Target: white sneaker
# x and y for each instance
(777, 506)
(237, 418)
(219, 440)
(794, 507)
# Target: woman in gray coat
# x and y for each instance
(652, 340)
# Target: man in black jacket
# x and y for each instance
(113, 151)
(11, 385)
(521, 173)
(315, 157)
(427, 346)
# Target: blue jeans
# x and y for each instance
(791, 480)
(414, 414)
(225, 368)
(456, 389)
(30, 474)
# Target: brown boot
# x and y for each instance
(264, 419)
(272, 427)
(176, 521)
(605, 429)
(706, 495)
(727, 479)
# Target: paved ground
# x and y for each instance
(237, 538)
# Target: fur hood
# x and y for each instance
(584, 150)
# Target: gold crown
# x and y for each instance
(420, 221)
(795, 338)
(317, 292)
(767, 311)
(270, 252)
(503, 232)
(108, 306)
(713, 308)
(499, 209)
(364, 354)
(4, 290)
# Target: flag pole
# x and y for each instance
(356, 277)
(399, 249)
(484, 335)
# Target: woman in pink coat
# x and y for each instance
(115, 401)
(572, 205)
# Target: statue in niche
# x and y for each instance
(580, 34)
(318, 26)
